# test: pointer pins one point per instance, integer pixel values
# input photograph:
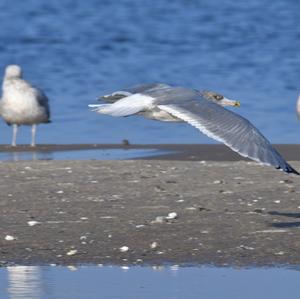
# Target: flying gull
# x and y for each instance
(21, 103)
(203, 110)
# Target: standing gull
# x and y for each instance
(202, 110)
(21, 103)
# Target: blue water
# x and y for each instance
(24, 282)
(78, 50)
(95, 154)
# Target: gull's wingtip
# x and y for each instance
(294, 171)
(289, 169)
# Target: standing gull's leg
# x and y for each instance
(33, 131)
(14, 137)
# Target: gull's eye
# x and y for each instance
(218, 97)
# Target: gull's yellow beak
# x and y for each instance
(227, 102)
(237, 104)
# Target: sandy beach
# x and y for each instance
(149, 212)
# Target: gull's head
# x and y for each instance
(219, 99)
(13, 71)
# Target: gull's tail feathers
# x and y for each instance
(114, 109)
(124, 107)
(103, 109)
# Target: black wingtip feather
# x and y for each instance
(290, 169)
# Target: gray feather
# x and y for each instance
(43, 101)
(117, 95)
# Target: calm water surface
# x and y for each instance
(24, 282)
(96, 154)
(78, 50)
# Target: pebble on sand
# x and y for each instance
(124, 248)
(172, 215)
(32, 223)
(72, 252)
(153, 245)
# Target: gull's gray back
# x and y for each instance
(172, 95)
(125, 92)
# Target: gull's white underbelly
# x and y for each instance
(158, 114)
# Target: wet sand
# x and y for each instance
(115, 212)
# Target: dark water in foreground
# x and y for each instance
(77, 50)
(24, 282)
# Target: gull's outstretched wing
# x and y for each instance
(223, 125)
(117, 95)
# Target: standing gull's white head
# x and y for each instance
(13, 71)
